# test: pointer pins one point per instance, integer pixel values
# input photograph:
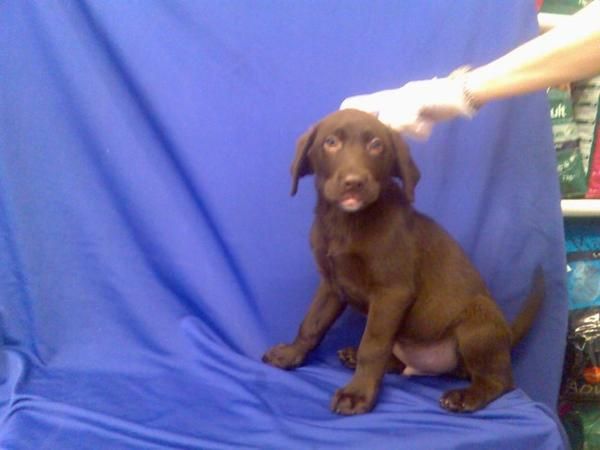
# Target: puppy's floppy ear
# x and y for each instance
(301, 165)
(405, 168)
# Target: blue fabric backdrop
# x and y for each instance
(150, 253)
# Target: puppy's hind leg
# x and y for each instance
(484, 346)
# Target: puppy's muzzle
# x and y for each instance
(354, 182)
(354, 190)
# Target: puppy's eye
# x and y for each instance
(375, 146)
(332, 144)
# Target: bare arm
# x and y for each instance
(568, 52)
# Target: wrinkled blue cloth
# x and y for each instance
(150, 253)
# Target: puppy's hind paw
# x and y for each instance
(348, 357)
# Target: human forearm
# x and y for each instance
(566, 53)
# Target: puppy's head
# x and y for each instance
(353, 157)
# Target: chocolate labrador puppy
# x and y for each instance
(428, 309)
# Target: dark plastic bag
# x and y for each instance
(581, 377)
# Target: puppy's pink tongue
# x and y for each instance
(350, 203)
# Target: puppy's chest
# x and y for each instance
(348, 269)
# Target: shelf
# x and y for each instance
(549, 20)
(580, 208)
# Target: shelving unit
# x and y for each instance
(581, 217)
(580, 207)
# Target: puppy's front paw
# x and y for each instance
(353, 399)
(284, 356)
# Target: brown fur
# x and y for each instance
(428, 309)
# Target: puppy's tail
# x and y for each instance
(530, 308)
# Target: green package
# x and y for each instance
(586, 109)
(563, 6)
(573, 183)
(573, 180)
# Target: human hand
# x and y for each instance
(414, 108)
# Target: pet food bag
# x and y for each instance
(586, 110)
(573, 181)
(594, 170)
(583, 279)
(582, 424)
(581, 375)
(580, 390)
(563, 6)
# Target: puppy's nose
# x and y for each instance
(353, 182)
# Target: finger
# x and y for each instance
(364, 103)
(420, 130)
(398, 118)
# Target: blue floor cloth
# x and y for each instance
(150, 252)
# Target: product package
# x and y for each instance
(581, 377)
(563, 6)
(573, 180)
(586, 110)
(582, 424)
(594, 170)
(580, 390)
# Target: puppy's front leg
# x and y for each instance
(325, 308)
(386, 311)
